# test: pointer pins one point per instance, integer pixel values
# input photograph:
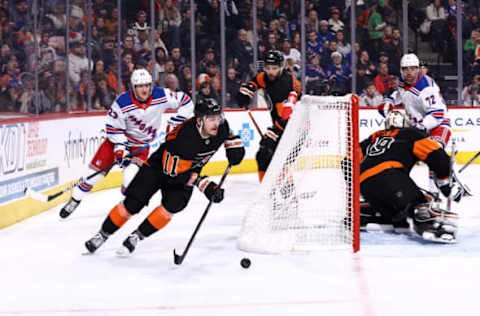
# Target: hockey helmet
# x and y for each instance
(395, 119)
(274, 57)
(409, 60)
(207, 106)
(140, 76)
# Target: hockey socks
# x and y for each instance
(157, 219)
(116, 218)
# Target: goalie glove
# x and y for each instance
(210, 189)
(288, 105)
(120, 152)
(234, 149)
(244, 95)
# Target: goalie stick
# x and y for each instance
(46, 198)
(178, 259)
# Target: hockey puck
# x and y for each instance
(245, 263)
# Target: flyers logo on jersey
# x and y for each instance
(380, 146)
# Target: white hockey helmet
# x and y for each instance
(409, 60)
(140, 76)
(396, 119)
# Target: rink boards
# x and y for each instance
(49, 152)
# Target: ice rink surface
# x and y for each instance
(44, 269)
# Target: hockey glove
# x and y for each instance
(121, 153)
(444, 186)
(271, 138)
(234, 149)
(173, 122)
(385, 107)
(244, 95)
(210, 189)
(288, 106)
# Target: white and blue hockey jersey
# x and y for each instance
(423, 103)
(132, 123)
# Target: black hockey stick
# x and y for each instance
(469, 162)
(46, 198)
(178, 259)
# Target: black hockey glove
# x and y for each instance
(270, 139)
(234, 149)
(245, 94)
(210, 189)
(444, 186)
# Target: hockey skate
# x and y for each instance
(68, 208)
(95, 242)
(129, 244)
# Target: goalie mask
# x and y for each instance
(395, 119)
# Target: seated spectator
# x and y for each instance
(290, 53)
(233, 85)
(327, 56)
(185, 79)
(242, 50)
(370, 97)
(176, 56)
(324, 34)
(471, 93)
(170, 21)
(77, 61)
(394, 69)
(371, 70)
(334, 23)
(11, 97)
(339, 73)
(313, 45)
(206, 91)
(171, 82)
(383, 80)
(157, 43)
(158, 69)
(342, 47)
(105, 93)
(314, 71)
(362, 78)
(312, 21)
(272, 42)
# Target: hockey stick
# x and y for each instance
(469, 162)
(255, 124)
(178, 259)
(452, 162)
(46, 198)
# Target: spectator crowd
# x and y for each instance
(33, 40)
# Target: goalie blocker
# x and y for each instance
(389, 156)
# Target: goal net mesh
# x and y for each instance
(307, 200)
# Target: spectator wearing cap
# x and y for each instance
(334, 23)
(11, 98)
(140, 27)
(242, 50)
(324, 34)
(209, 56)
(77, 61)
(383, 81)
(338, 72)
(394, 69)
(284, 25)
(370, 97)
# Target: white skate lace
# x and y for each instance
(98, 239)
(71, 206)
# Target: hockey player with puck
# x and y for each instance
(387, 159)
(174, 169)
(282, 90)
(133, 121)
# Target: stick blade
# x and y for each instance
(35, 195)
(176, 258)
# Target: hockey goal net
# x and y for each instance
(309, 197)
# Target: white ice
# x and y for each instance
(44, 269)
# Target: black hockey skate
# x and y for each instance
(432, 226)
(95, 242)
(130, 243)
(68, 208)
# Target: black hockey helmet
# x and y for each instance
(274, 57)
(207, 106)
